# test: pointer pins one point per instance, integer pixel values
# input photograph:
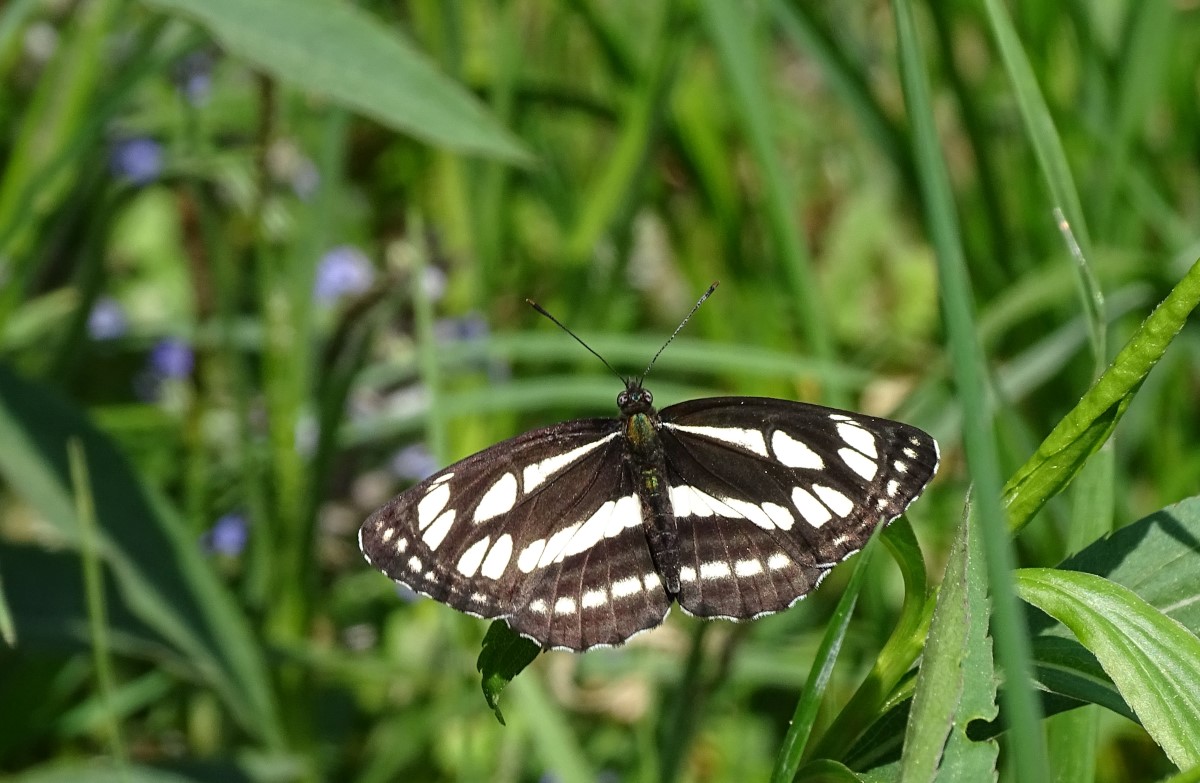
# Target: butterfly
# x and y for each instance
(584, 533)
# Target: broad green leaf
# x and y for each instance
(1090, 423)
(956, 683)
(504, 655)
(342, 52)
(156, 565)
(1156, 557)
(1154, 660)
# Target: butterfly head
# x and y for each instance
(634, 399)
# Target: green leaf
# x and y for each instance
(1089, 424)
(1154, 660)
(155, 564)
(504, 656)
(957, 681)
(340, 51)
(1155, 557)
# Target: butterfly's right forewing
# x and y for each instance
(543, 530)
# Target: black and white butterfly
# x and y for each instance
(583, 534)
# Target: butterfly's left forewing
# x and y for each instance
(543, 530)
(769, 495)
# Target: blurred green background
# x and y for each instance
(263, 264)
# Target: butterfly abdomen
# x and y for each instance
(648, 469)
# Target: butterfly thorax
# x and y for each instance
(647, 469)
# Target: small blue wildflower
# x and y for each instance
(343, 270)
(414, 463)
(193, 77)
(107, 319)
(172, 358)
(228, 535)
(138, 160)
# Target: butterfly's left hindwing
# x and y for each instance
(543, 530)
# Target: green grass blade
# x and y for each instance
(93, 580)
(347, 55)
(732, 31)
(1154, 660)
(1012, 644)
(898, 654)
(791, 752)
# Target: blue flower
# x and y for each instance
(414, 463)
(138, 160)
(193, 77)
(228, 535)
(107, 319)
(172, 358)
(343, 270)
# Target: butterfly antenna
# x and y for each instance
(559, 324)
(687, 318)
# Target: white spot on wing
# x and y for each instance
(388, 534)
(565, 605)
(893, 487)
(910, 453)
(794, 453)
(530, 555)
(537, 473)
(780, 515)
(432, 504)
(690, 502)
(778, 560)
(497, 559)
(858, 438)
(623, 588)
(750, 440)
(555, 544)
(626, 513)
(717, 569)
(858, 463)
(436, 533)
(468, 564)
(900, 466)
(813, 511)
(837, 502)
(414, 564)
(746, 568)
(652, 581)
(537, 605)
(594, 598)
(402, 545)
(687, 574)
(499, 499)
